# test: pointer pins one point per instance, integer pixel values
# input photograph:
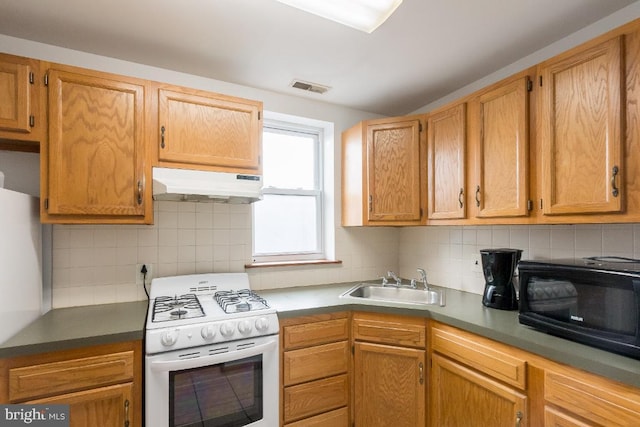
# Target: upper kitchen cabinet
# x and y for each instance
(446, 148)
(383, 172)
(203, 130)
(22, 121)
(93, 168)
(500, 123)
(580, 130)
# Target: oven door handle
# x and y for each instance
(197, 362)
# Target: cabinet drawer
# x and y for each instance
(480, 353)
(314, 333)
(315, 362)
(305, 400)
(388, 329)
(70, 375)
(337, 418)
(593, 398)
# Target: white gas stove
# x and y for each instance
(211, 353)
(199, 309)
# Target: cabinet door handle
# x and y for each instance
(478, 196)
(460, 197)
(126, 413)
(162, 129)
(140, 190)
(421, 371)
(518, 418)
(614, 174)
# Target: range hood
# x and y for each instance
(200, 186)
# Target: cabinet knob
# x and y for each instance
(162, 129)
(478, 196)
(140, 192)
(460, 195)
(421, 371)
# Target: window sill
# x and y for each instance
(292, 263)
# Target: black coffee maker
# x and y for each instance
(498, 266)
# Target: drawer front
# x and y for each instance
(317, 362)
(593, 398)
(481, 354)
(337, 418)
(315, 333)
(390, 330)
(60, 377)
(313, 398)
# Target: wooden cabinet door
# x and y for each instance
(502, 152)
(213, 130)
(22, 121)
(15, 98)
(389, 386)
(580, 128)
(446, 148)
(101, 407)
(95, 156)
(461, 397)
(393, 171)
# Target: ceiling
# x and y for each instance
(426, 50)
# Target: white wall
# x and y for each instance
(97, 264)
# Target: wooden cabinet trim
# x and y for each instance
(317, 362)
(479, 353)
(65, 376)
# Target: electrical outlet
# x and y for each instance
(140, 276)
(477, 264)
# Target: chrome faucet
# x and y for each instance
(423, 278)
(394, 277)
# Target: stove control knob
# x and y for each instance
(208, 332)
(169, 338)
(244, 327)
(227, 329)
(262, 324)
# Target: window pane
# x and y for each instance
(285, 224)
(289, 160)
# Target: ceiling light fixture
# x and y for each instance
(363, 15)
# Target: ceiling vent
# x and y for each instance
(309, 87)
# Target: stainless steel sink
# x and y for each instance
(388, 293)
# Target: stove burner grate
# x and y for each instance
(240, 301)
(185, 306)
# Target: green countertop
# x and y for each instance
(67, 328)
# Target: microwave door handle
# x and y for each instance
(197, 362)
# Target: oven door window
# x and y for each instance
(224, 395)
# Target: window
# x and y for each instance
(288, 222)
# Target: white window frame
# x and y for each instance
(285, 127)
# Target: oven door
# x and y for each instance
(230, 384)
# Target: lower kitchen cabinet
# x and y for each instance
(570, 397)
(101, 384)
(389, 370)
(474, 381)
(315, 371)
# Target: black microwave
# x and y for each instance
(594, 301)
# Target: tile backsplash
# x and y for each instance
(99, 264)
(449, 254)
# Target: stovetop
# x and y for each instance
(199, 298)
